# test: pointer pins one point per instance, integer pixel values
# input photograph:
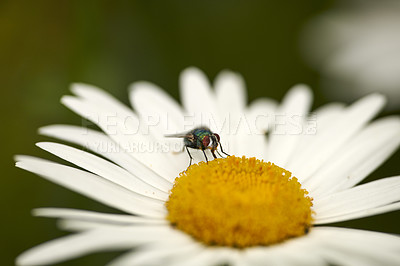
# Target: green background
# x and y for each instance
(46, 45)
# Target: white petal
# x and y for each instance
(288, 126)
(363, 197)
(210, 256)
(80, 226)
(152, 103)
(291, 252)
(83, 225)
(147, 99)
(230, 90)
(104, 169)
(126, 130)
(263, 110)
(198, 100)
(231, 102)
(340, 131)
(363, 154)
(92, 186)
(359, 214)
(256, 146)
(340, 234)
(327, 113)
(259, 115)
(106, 147)
(110, 218)
(342, 255)
(357, 247)
(81, 220)
(96, 95)
(159, 254)
(318, 122)
(162, 115)
(91, 241)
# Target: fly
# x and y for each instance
(200, 138)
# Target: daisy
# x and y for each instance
(259, 206)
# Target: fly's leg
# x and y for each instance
(219, 154)
(213, 153)
(205, 155)
(191, 158)
(222, 149)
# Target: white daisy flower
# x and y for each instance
(356, 48)
(234, 210)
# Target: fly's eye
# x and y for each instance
(206, 141)
(216, 135)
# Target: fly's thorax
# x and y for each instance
(202, 137)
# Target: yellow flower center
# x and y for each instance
(239, 202)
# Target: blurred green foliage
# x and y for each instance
(46, 45)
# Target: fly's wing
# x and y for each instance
(189, 139)
(179, 135)
(184, 136)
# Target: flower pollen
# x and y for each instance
(239, 202)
